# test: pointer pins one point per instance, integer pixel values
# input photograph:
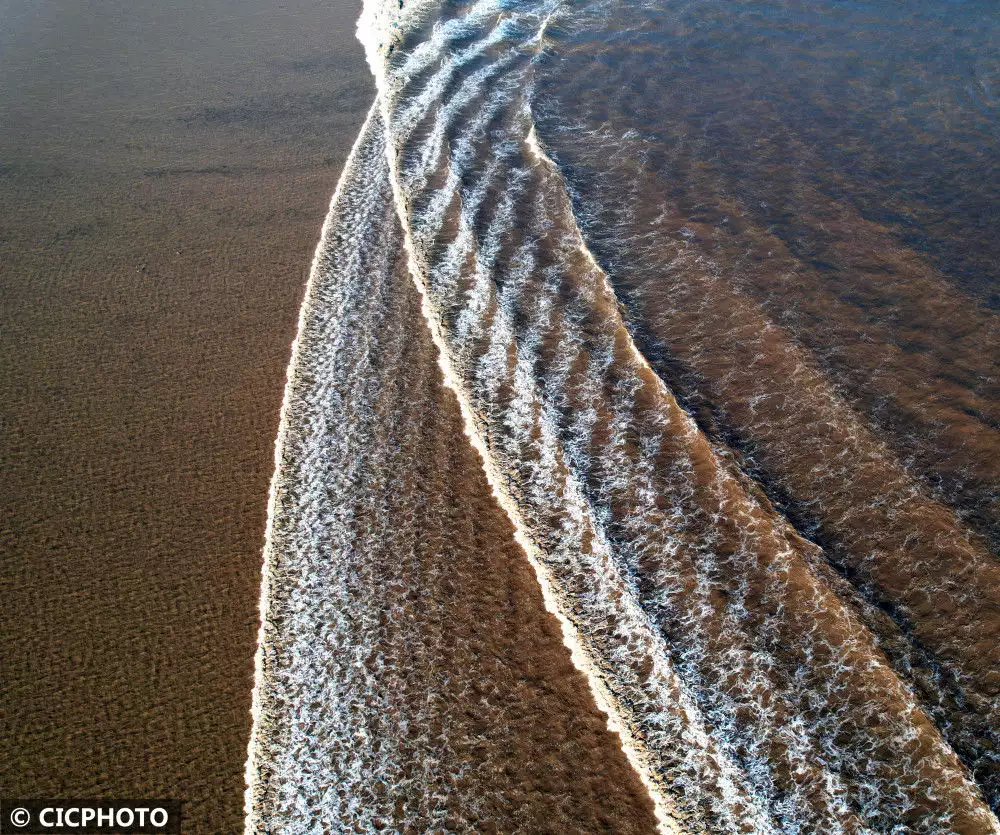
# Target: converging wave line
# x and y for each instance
(496, 420)
(747, 685)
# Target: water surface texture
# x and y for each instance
(713, 287)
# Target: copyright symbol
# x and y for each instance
(20, 817)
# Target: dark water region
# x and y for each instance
(797, 203)
(849, 154)
(891, 107)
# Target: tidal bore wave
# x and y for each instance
(767, 544)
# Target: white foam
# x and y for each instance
(678, 731)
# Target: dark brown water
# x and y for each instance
(796, 203)
(152, 260)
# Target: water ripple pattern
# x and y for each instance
(780, 603)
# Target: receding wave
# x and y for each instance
(788, 628)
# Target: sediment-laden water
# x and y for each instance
(711, 290)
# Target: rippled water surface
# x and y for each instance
(715, 286)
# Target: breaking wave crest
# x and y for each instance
(756, 684)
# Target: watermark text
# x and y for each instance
(83, 817)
